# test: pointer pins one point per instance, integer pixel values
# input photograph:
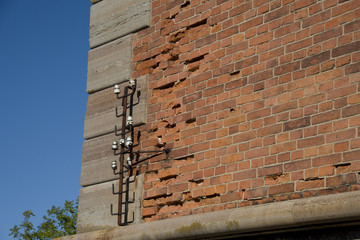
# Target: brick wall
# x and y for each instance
(259, 101)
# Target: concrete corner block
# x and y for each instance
(101, 119)
(96, 160)
(94, 205)
(111, 19)
(109, 64)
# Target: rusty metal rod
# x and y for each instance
(121, 160)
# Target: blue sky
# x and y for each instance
(43, 67)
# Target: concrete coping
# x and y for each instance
(280, 216)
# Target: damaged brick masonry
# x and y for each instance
(259, 102)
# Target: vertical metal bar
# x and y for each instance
(126, 201)
(122, 158)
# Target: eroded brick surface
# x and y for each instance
(258, 101)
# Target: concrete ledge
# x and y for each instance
(287, 215)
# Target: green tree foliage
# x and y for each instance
(59, 221)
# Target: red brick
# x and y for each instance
(345, 49)
(269, 130)
(246, 62)
(228, 32)
(240, 9)
(324, 36)
(287, 29)
(283, 147)
(251, 23)
(352, 156)
(341, 180)
(325, 117)
(347, 7)
(304, 185)
(213, 91)
(246, 174)
(181, 187)
(298, 123)
(258, 114)
(340, 135)
(310, 142)
(205, 41)
(312, 100)
(192, 97)
(261, 39)
(221, 179)
(255, 193)
(155, 193)
(353, 68)
(277, 13)
(272, 170)
(231, 196)
(285, 68)
(167, 173)
(257, 77)
(149, 211)
(353, 26)
(326, 160)
(315, 59)
(341, 92)
(297, 165)
(285, 107)
(320, 17)
(258, 152)
(282, 188)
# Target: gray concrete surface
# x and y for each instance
(94, 205)
(96, 160)
(111, 19)
(109, 64)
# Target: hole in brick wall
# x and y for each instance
(185, 157)
(168, 177)
(313, 179)
(197, 181)
(176, 106)
(185, 4)
(152, 130)
(165, 86)
(176, 36)
(213, 195)
(155, 65)
(191, 120)
(193, 67)
(274, 176)
(197, 24)
(195, 59)
(174, 58)
(167, 48)
(234, 73)
(232, 110)
(342, 165)
(170, 125)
